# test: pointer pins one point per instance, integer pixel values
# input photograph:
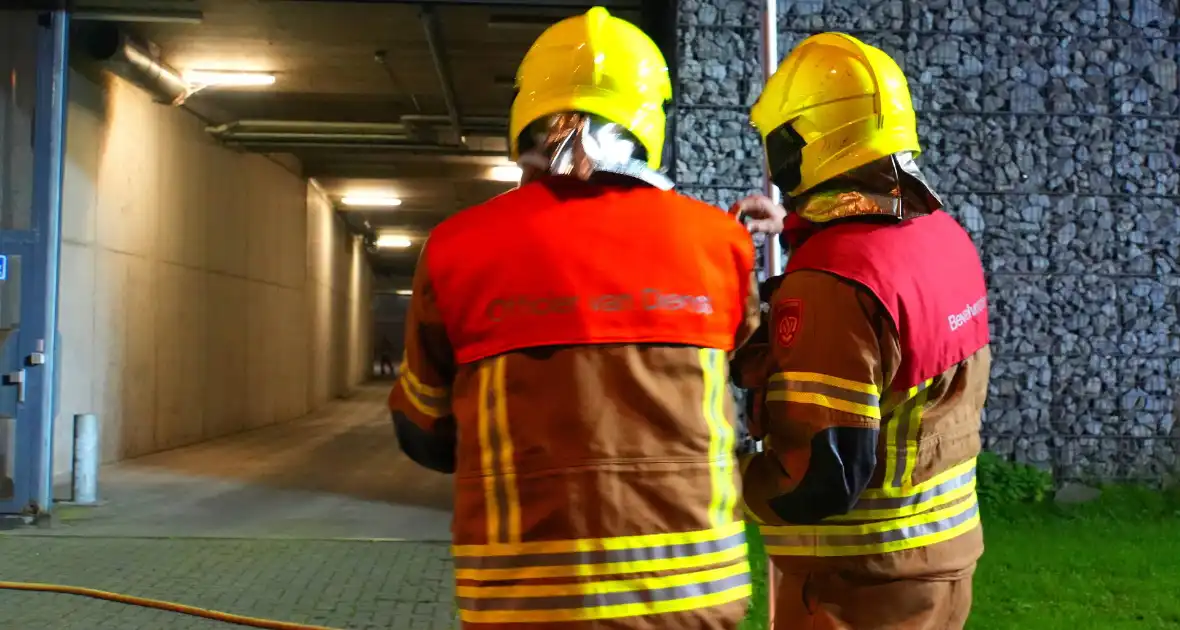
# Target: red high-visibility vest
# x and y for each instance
(563, 262)
(927, 274)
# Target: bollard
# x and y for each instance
(86, 459)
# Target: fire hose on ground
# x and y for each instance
(144, 602)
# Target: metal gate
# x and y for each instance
(33, 49)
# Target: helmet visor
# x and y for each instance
(784, 157)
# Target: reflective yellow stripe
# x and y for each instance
(437, 392)
(507, 454)
(496, 455)
(809, 388)
(880, 537)
(825, 401)
(901, 440)
(950, 485)
(601, 544)
(937, 480)
(721, 438)
(733, 594)
(607, 568)
(834, 381)
(710, 568)
(487, 455)
(603, 587)
(432, 402)
(601, 556)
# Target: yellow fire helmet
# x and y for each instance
(833, 105)
(600, 65)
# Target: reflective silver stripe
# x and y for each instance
(606, 556)
(922, 497)
(872, 538)
(598, 600)
(824, 389)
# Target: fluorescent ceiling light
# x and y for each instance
(405, 292)
(382, 201)
(393, 241)
(204, 78)
(506, 173)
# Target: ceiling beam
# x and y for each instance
(376, 147)
(441, 67)
(440, 172)
(158, 16)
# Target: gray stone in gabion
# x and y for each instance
(717, 148)
(721, 197)
(721, 12)
(1071, 154)
(945, 72)
(952, 156)
(1021, 312)
(1120, 414)
(1113, 395)
(1061, 75)
(1146, 158)
(1037, 74)
(1117, 316)
(946, 15)
(1122, 457)
(1117, 18)
(1016, 242)
(1019, 397)
(719, 66)
(841, 15)
(1101, 235)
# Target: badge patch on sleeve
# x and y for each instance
(788, 316)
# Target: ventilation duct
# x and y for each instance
(137, 63)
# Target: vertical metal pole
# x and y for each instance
(49, 152)
(86, 457)
(773, 265)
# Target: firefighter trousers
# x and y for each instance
(810, 599)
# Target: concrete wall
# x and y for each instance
(1051, 130)
(204, 291)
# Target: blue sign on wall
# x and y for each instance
(3, 267)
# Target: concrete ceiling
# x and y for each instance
(414, 67)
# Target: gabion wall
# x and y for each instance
(1052, 130)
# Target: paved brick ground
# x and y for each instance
(341, 584)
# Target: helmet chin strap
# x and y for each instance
(579, 145)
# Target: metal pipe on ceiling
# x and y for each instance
(272, 136)
(101, 14)
(466, 120)
(126, 58)
(386, 147)
(309, 126)
(441, 67)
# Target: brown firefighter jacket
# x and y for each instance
(872, 392)
(566, 359)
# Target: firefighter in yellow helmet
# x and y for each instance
(566, 360)
(877, 370)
